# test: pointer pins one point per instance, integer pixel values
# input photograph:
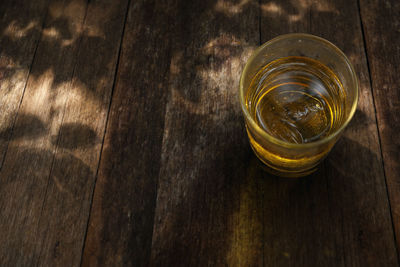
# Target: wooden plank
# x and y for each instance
(340, 216)
(25, 173)
(206, 213)
(48, 174)
(121, 219)
(381, 22)
(20, 27)
(27, 165)
(66, 207)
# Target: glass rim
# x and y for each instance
(273, 139)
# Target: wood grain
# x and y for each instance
(381, 21)
(202, 197)
(66, 207)
(121, 220)
(20, 27)
(122, 141)
(26, 169)
(326, 219)
(49, 171)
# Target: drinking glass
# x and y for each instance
(285, 158)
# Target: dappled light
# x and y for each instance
(292, 11)
(51, 32)
(68, 25)
(229, 8)
(131, 115)
(12, 77)
(57, 65)
(49, 91)
(298, 9)
(68, 13)
(41, 93)
(271, 7)
(15, 31)
(219, 64)
(325, 6)
(64, 27)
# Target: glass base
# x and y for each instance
(282, 172)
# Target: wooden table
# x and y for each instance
(122, 141)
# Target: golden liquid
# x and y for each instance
(296, 99)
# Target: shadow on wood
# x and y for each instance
(74, 136)
(27, 127)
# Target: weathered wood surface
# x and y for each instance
(204, 150)
(121, 222)
(20, 27)
(49, 171)
(122, 141)
(382, 37)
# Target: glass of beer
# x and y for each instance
(297, 92)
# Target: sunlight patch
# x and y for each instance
(14, 31)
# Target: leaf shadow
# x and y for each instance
(26, 127)
(75, 136)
